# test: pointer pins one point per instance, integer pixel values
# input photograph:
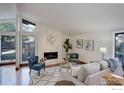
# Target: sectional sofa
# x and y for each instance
(92, 73)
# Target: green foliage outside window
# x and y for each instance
(7, 27)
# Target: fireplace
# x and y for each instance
(51, 55)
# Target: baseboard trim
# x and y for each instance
(24, 65)
(10, 63)
(53, 65)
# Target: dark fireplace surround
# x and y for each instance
(51, 55)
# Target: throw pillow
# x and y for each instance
(103, 65)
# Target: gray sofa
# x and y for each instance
(92, 73)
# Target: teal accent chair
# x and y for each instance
(73, 57)
(34, 65)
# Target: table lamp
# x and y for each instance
(103, 51)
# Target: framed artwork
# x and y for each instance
(79, 43)
(89, 45)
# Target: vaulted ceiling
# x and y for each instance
(7, 11)
(76, 17)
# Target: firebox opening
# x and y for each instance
(51, 55)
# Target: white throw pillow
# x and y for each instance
(116, 59)
(75, 70)
(82, 74)
(103, 64)
(88, 69)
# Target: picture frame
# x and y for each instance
(79, 43)
(89, 45)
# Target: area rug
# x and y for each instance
(48, 77)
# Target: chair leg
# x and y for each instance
(39, 72)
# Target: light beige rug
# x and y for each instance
(48, 77)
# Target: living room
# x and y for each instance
(41, 30)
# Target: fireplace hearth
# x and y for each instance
(51, 55)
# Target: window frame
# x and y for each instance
(21, 33)
(9, 21)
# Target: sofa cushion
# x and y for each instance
(88, 69)
(113, 63)
(75, 70)
(95, 79)
(116, 59)
(103, 64)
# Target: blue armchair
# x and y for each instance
(34, 65)
(74, 58)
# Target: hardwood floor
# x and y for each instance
(9, 76)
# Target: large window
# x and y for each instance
(7, 27)
(7, 42)
(119, 47)
(28, 47)
(28, 40)
(28, 26)
(8, 50)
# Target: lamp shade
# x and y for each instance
(103, 50)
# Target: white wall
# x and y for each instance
(7, 11)
(101, 39)
(44, 46)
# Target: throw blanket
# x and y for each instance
(112, 64)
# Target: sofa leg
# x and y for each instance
(39, 72)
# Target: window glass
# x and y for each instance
(28, 47)
(28, 26)
(119, 47)
(8, 47)
(7, 27)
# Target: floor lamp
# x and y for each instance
(103, 51)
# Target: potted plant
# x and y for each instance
(67, 46)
